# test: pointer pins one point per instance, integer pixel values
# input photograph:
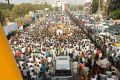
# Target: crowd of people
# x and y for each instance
(35, 50)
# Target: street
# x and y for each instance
(60, 41)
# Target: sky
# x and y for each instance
(50, 1)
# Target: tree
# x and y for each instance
(56, 8)
(115, 14)
(113, 5)
(8, 1)
(22, 9)
(5, 6)
(4, 12)
(94, 6)
(2, 20)
(9, 5)
(80, 7)
(72, 8)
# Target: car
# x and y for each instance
(63, 70)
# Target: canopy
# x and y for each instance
(10, 28)
(117, 44)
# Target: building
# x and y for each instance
(40, 1)
(63, 6)
(87, 7)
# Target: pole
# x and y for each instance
(8, 2)
(99, 7)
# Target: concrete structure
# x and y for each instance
(63, 6)
(40, 1)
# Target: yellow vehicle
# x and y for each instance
(117, 44)
(117, 47)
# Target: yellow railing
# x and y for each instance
(8, 67)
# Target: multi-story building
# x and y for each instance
(87, 6)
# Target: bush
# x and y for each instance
(115, 14)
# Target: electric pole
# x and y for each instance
(99, 6)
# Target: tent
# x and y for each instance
(116, 44)
(10, 28)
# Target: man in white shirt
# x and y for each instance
(75, 66)
(53, 53)
(21, 64)
(49, 59)
(23, 50)
(38, 60)
(30, 64)
(24, 73)
(30, 59)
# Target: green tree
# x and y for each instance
(80, 7)
(94, 6)
(5, 6)
(102, 4)
(2, 19)
(56, 8)
(73, 7)
(8, 1)
(22, 9)
(115, 14)
(5, 12)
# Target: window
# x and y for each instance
(63, 73)
(62, 59)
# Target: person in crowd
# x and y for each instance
(37, 46)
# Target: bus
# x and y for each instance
(63, 70)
